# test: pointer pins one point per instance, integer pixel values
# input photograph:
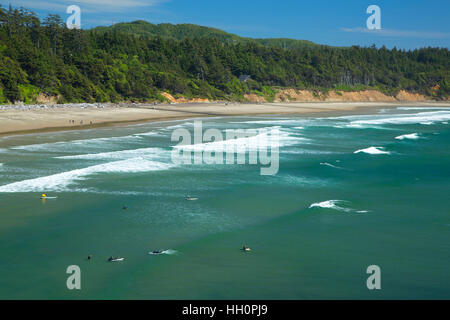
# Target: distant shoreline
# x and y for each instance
(27, 120)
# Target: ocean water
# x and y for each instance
(352, 191)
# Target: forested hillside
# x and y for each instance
(185, 31)
(44, 57)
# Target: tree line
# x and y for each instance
(45, 57)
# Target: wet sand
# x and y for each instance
(20, 120)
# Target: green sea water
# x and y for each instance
(313, 228)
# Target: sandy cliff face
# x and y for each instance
(365, 96)
(292, 95)
(408, 96)
(47, 100)
(255, 98)
(172, 99)
(286, 95)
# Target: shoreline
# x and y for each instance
(55, 119)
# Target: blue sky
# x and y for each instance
(405, 24)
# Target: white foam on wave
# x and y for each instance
(147, 134)
(415, 118)
(352, 125)
(331, 165)
(61, 181)
(331, 204)
(169, 252)
(274, 137)
(372, 150)
(411, 136)
(120, 155)
(338, 205)
(64, 145)
(423, 108)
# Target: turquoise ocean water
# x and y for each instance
(352, 191)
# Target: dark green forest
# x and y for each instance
(130, 64)
(184, 31)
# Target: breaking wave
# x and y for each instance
(61, 181)
(411, 136)
(339, 205)
(416, 118)
(64, 145)
(373, 150)
(272, 138)
(423, 108)
(119, 155)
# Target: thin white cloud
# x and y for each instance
(400, 33)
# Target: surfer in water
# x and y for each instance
(44, 198)
(112, 259)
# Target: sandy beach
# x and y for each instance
(28, 119)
